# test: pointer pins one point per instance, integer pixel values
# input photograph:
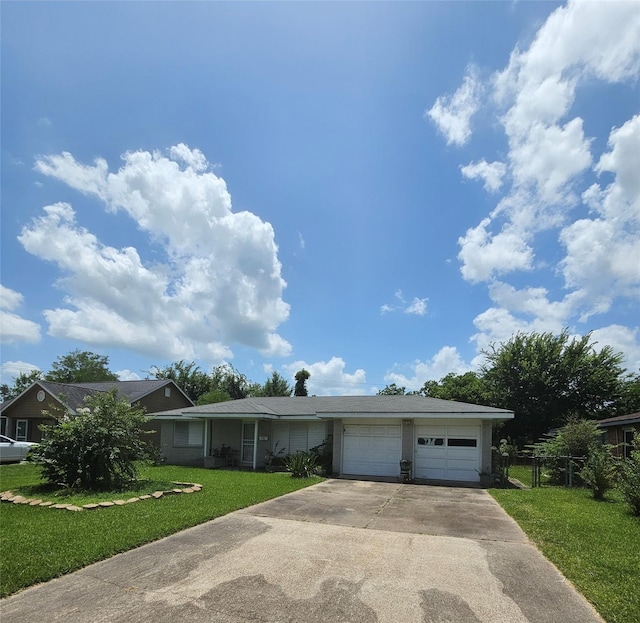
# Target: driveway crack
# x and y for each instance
(383, 506)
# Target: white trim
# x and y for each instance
(417, 416)
(26, 430)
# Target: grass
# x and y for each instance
(596, 545)
(39, 544)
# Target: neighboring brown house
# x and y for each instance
(619, 430)
(23, 415)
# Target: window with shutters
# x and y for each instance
(188, 434)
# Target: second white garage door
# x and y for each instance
(371, 449)
(447, 453)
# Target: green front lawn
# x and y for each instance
(596, 545)
(38, 543)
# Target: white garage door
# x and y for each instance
(371, 450)
(447, 453)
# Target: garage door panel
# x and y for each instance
(371, 450)
(447, 453)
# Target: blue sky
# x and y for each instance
(374, 191)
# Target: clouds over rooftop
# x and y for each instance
(552, 183)
(217, 283)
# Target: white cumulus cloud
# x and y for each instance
(546, 179)
(413, 376)
(10, 370)
(328, 378)
(219, 285)
(452, 114)
(14, 328)
(491, 173)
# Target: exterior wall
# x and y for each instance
(264, 445)
(338, 427)
(181, 455)
(30, 408)
(614, 435)
(156, 401)
(486, 438)
(407, 440)
(227, 432)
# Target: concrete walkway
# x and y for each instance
(341, 551)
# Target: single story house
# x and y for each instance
(21, 417)
(369, 435)
(619, 430)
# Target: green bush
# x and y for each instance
(574, 439)
(95, 448)
(629, 477)
(301, 464)
(599, 471)
(324, 456)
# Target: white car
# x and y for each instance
(12, 451)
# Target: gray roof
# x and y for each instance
(327, 405)
(619, 420)
(73, 395)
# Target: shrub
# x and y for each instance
(324, 455)
(574, 439)
(629, 477)
(599, 471)
(95, 448)
(301, 464)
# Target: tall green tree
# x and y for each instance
(80, 367)
(630, 398)
(277, 385)
(301, 383)
(547, 378)
(225, 378)
(187, 376)
(468, 387)
(21, 382)
(392, 390)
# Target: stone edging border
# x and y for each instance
(181, 487)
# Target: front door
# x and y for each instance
(248, 442)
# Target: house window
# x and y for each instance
(167, 392)
(188, 433)
(3, 425)
(461, 442)
(22, 428)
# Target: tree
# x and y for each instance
(630, 399)
(213, 395)
(21, 382)
(546, 378)
(80, 367)
(468, 387)
(301, 383)
(392, 390)
(187, 376)
(95, 448)
(225, 378)
(276, 386)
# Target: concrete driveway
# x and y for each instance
(341, 551)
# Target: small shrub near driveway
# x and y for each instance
(301, 464)
(38, 544)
